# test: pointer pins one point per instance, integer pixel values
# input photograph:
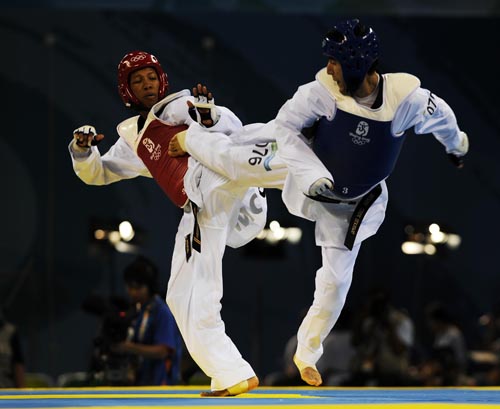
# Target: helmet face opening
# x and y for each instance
(355, 46)
(134, 61)
(336, 36)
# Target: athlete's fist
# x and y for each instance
(457, 156)
(322, 187)
(175, 146)
(86, 136)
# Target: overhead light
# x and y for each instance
(100, 234)
(117, 234)
(430, 249)
(434, 228)
(412, 247)
(454, 241)
(123, 247)
(428, 239)
(275, 234)
(438, 237)
(294, 234)
(126, 230)
(114, 237)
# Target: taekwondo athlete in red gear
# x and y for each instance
(211, 205)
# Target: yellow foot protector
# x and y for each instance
(239, 388)
(308, 373)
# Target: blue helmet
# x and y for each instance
(355, 46)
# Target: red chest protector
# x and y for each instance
(167, 171)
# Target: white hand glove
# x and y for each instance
(203, 101)
(464, 143)
(205, 119)
(85, 136)
(320, 187)
(456, 155)
(85, 129)
(203, 110)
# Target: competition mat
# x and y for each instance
(187, 397)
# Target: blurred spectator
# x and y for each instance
(489, 325)
(484, 363)
(154, 337)
(383, 337)
(11, 356)
(447, 365)
(334, 364)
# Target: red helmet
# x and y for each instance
(132, 62)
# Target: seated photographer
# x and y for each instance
(154, 337)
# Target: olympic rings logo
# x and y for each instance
(137, 58)
(359, 140)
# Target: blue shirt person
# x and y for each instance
(153, 336)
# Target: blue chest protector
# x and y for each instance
(357, 145)
(359, 152)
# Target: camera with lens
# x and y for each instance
(107, 366)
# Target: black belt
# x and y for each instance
(196, 229)
(195, 244)
(325, 199)
(359, 213)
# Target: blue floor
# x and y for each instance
(185, 397)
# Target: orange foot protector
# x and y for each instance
(308, 373)
(242, 387)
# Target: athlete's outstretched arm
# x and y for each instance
(428, 113)
(118, 163)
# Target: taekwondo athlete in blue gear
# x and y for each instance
(356, 119)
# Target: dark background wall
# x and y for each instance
(58, 71)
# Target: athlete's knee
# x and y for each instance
(331, 282)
